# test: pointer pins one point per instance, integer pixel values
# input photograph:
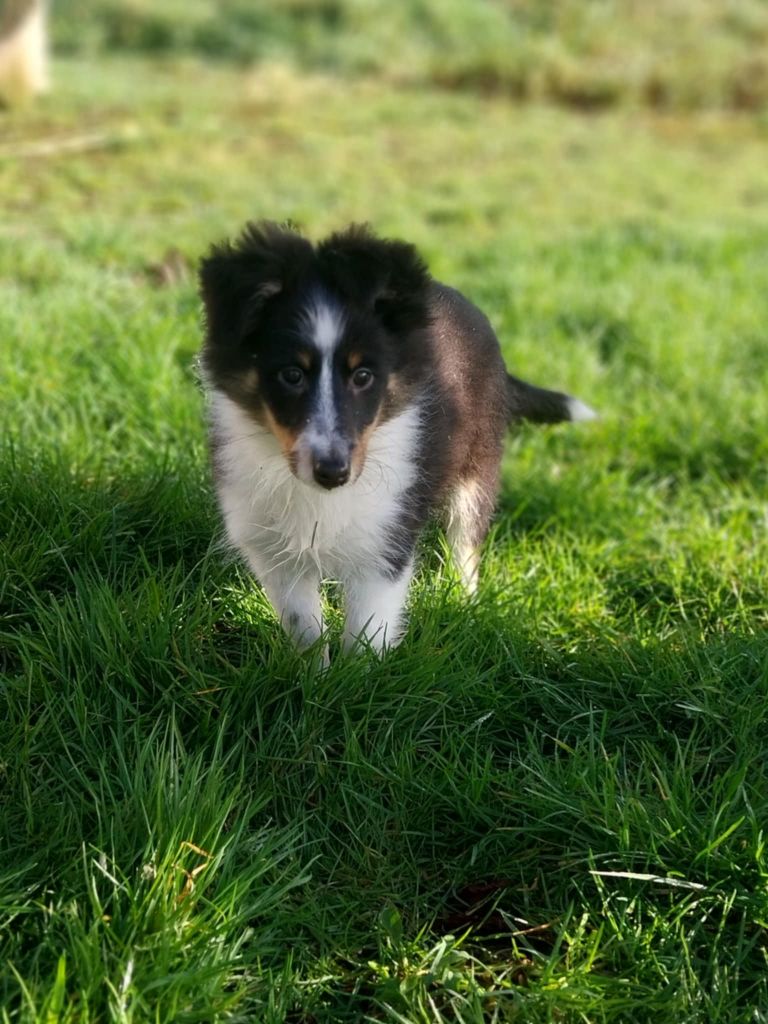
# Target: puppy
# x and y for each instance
(352, 397)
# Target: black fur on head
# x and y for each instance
(386, 276)
(238, 281)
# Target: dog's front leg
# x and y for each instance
(375, 607)
(297, 603)
(294, 593)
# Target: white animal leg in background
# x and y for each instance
(294, 594)
(375, 607)
(23, 50)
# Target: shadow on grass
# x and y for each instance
(475, 777)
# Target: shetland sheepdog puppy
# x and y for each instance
(352, 398)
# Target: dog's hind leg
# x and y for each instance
(469, 512)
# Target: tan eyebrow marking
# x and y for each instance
(354, 359)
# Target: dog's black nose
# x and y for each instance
(331, 471)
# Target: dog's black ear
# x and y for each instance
(237, 280)
(387, 276)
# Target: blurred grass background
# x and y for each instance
(667, 54)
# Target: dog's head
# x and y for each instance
(319, 344)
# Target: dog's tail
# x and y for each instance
(537, 405)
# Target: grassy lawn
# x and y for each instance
(550, 804)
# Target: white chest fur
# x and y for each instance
(268, 511)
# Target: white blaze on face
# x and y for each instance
(324, 324)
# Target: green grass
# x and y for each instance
(549, 804)
(589, 54)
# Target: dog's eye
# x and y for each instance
(362, 378)
(292, 377)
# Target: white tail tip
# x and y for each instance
(579, 411)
